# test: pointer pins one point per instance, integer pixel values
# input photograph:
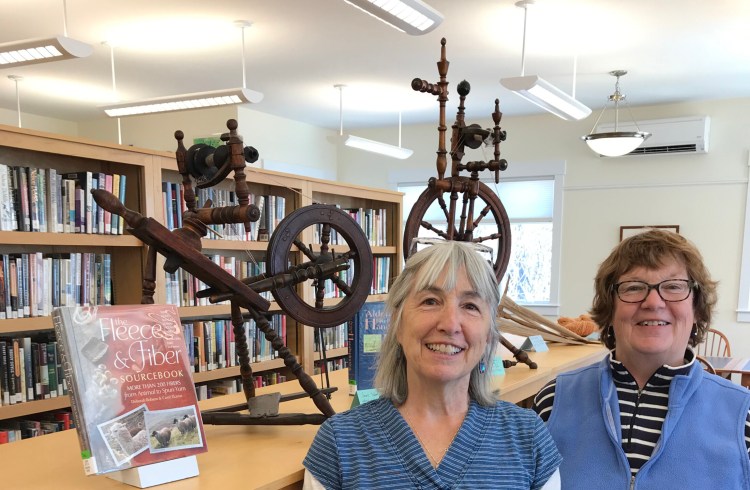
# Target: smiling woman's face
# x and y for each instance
(444, 333)
(653, 330)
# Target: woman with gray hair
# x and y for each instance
(437, 423)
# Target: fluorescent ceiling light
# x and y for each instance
(410, 16)
(34, 51)
(198, 100)
(542, 93)
(377, 147)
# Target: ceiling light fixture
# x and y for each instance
(17, 79)
(367, 144)
(615, 143)
(540, 92)
(199, 100)
(33, 51)
(413, 17)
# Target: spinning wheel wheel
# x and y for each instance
(288, 233)
(491, 227)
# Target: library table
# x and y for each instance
(259, 457)
(728, 365)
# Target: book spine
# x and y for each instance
(65, 350)
(28, 369)
(123, 188)
(4, 373)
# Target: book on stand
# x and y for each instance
(367, 330)
(128, 375)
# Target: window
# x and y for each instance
(534, 206)
(743, 302)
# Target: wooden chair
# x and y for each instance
(715, 344)
(706, 365)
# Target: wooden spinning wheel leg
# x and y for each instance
(246, 371)
(149, 278)
(305, 381)
(520, 355)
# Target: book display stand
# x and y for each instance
(158, 473)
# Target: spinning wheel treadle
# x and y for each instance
(288, 233)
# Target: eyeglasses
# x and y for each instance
(671, 290)
(419, 243)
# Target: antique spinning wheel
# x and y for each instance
(320, 267)
(461, 207)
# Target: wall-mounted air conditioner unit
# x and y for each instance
(674, 135)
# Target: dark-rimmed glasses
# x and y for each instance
(671, 290)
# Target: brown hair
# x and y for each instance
(651, 249)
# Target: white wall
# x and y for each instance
(703, 194)
(284, 145)
(39, 123)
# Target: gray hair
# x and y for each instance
(423, 270)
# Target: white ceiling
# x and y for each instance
(296, 50)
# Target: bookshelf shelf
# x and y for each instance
(145, 171)
(34, 407)
(231, 372)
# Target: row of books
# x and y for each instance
(43, 200)
(330, 365)
(374, 222)
(45, 423)
(272, 211)
(381, 275)
(332, 337)
(181, 286)
(32, 284)
(30, 369)
(211, 343)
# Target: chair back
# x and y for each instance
(715, 344)
(706, 365)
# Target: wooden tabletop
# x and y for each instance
(249, 457)
(729, 365)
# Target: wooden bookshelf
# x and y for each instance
(145, 170)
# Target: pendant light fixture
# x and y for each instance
(539, 91)
(615, 143)
(29, 52)
(198, 100)
(367, 144)
(413, 17)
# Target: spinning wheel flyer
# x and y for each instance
(130, 383)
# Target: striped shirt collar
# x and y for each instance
(662, 377)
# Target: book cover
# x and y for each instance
(368, 329)
(128, 376)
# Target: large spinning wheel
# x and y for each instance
(461, 207)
